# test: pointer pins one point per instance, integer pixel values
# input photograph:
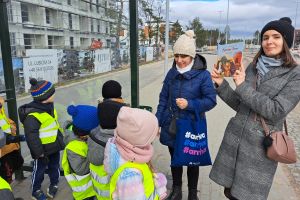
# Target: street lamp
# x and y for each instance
(295, 24)
(220, 13)
(227, 27)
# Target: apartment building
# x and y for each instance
(59, 24)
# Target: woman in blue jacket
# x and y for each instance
(187, 87)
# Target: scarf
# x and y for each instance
(265, 64)
(185, 69)
(132, 153)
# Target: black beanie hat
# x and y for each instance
(284, 27)
(111, 89)
(41, 90)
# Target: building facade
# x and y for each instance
(59, 24)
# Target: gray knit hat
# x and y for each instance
(186, 44)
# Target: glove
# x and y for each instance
(14, 139)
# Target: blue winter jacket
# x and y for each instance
(195, 86)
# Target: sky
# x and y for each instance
(245, 16)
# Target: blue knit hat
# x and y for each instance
(85, 118)
(41, 90)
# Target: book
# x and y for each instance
(230, 57)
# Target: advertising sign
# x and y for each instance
(102, 60)
(41, 64)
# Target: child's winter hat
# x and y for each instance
(136, 126)
(41, 90)
(186, 44)
(283, 26)
(111, 89)
(84, 118)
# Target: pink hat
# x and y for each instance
(136, 126)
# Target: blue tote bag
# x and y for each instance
(191, 146)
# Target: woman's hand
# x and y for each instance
(182, 103)
(216, 76)
(239, 76)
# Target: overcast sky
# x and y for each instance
(245, 16)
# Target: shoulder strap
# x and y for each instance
(266, 128)
(103, 144)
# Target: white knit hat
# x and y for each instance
(186, 44)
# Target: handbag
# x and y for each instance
(191, 146)
(172, 127)
(280, 147)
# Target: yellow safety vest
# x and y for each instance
(81, 186)
(110, 187)
(49, 126)
(4, 185)
(100, 181)
(4, 124)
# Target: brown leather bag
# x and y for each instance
(282, 148)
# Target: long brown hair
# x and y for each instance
(288, 60)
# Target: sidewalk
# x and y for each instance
(282, 188)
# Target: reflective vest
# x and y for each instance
(49, 126)
(110, 186)
(81, 186)
(4, 124)
(4, 185)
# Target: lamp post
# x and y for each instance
(295, 24)
(167, 37)
(220, 14)
(227, 27)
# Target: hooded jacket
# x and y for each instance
(32, 126)
(195, 86)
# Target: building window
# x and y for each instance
(27, 41)
(70, 21)
(69, 2)
(9, 11)
(92, 25)
(97, 6)
(91, 5)
(24, 13)
(12, 37)
(47, 16)
(50, 42)
(98, 28)
(72, 42)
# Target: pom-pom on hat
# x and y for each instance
(186, 44)
(136, 126)
(111, 89)
(284, 27)
(41, 90)
(84, 118)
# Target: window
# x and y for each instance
(47, 16)
(72, 42)
(97, 7)
(12, 37)
(9, 11)
(27, 41)
(98, 28)
(24, 13)
(50, 42)
(92, 25)
(91, 5)
(69, 2)
(70, 21)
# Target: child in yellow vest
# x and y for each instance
(127, 158)
(10, 156)
(75, 163)
(43, 136)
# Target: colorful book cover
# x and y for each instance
(230, 57)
